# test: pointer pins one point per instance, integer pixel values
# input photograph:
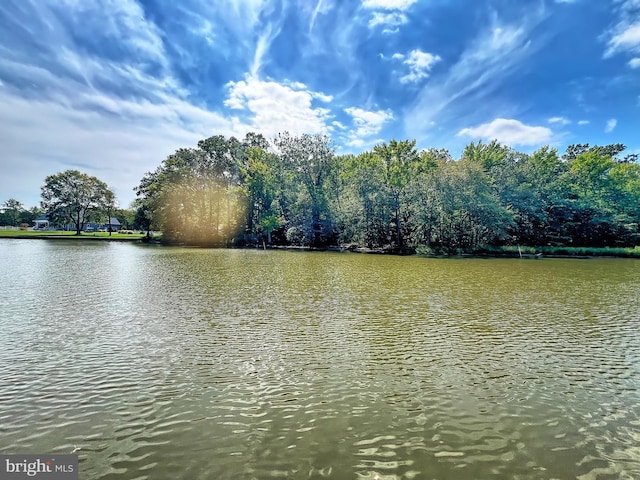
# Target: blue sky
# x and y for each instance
(112, 87)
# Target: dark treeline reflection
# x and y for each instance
(394, 197)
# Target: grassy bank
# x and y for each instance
(515, 251)
(69, 235)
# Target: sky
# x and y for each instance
(112, 87)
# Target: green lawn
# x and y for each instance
(70, 235)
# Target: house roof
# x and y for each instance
(114, 221)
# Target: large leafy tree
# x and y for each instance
(310, 160)
(261, 188)
(399, 162)
(12, 211)
(196, 195)
(75, 198)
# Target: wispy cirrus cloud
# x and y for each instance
(388, 4)
(321, 7)
(509, 131)
(611, 125)
(115, 139)
(487, 62)
(93, 107)
(624, 36)
(132, 81)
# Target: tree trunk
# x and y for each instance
(398, 227)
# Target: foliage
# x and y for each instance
(12, 212)
(393, 197)
(309, 160)
(198, 195)
(72, 197)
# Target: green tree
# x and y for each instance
(310, 161)
(400, 163)
(195, 195)
(74, 197)
(363, 213)
(460, 209)
(28, 216)
(262, 188)
(612, 151)
(126, 216)
(538, 198)
(109, 207)
(12, 211)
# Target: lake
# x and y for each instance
(177, 363)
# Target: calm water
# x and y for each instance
(173, 363)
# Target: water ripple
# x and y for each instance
(186, 363)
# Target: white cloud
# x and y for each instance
(274, 107)
(419, 63)
(470, 84)
(121, 21)
(559, 120)
(611, 125)
(114, 139)
(583, 122)
(388, 4)
(368, 123)
(509, 131)
(392, 19)
(624, 38)
(634, 62)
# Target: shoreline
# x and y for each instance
(73, 237)
(526, 252)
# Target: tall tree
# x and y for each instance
(261, 187)
(74, 197)
(400, 163)
(310, 159)
(13, 211)
(109, 207)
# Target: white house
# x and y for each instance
(41, 223)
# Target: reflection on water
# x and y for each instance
(165, 363)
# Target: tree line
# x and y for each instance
(298, 191)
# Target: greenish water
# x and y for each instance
(174, 363)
